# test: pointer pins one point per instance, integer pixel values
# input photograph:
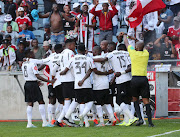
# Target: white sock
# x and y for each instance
(53, 109)
(100, 113)
(85, 119)
(49, 112)
(105, 110)
(87, 108)
(110, 111)
(59, 109)
(141, 109)
(61, 115)
(66, 105)
(29, 114)
(94, 111)
(126, 110)
(126, 118)
(71, 109)
(132, 108)
(42, 112)
(81, 108)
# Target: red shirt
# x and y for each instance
(172, 32)
(177, 48)
(12, 46)
(21, 20)
(74, 13)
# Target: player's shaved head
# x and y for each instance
(111, 46)
(58, 48)
(81, 48)
(104, 45)
(122, 47)
(139, 46)
(97, 50)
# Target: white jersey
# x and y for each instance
(56, 70)
(120, 61)
(101, 82)
(67, 54)
(81, 64)
(29, 70)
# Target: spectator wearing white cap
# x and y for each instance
(47, 48)
(2, 16)
(76, 9)
(21, 19)
(8, 20)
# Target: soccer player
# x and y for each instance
(32, 90)
(101, 89)
(121, 65)
(82, 67)
(67, 79)
(139, 83)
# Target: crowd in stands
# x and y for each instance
(159, 30)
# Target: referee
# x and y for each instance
(139, 83)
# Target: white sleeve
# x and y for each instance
(109, 56)
(35, 69)
(109, 66)
(128, 60)
(54, 69)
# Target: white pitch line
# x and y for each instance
(165, 133)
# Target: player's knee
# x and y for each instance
(41, 102)
(30, 104)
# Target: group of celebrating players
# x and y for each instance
(78, 77)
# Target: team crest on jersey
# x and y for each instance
(35, 68)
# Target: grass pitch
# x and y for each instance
(18, 129)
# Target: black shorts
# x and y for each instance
(59, 93)
(83, 95)
(68, 90)
(112, 89)
(123, 93)
(51, 92)
(101, 97)
(32, 92)
(140, 86)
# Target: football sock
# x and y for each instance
(81, 108)
(100, 113)
(126, 110)
(53, 109)
(141, 109)
(85, 119)
(132, 108)
(49, 112)
(66, 105)
(42, 112)
(148, 112)
(94, 111)
(110, 111)
(87, 108)
(29, 114)
(126, 118)
(71, 109)
(61, 115)
(137, 108)
(105, 110)
(59, 108)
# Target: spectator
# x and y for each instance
(7, 55)
(32, 4)
(21, 19)
(27, 12)
(167, 50)
(105, 19)
(61, 4)
(86, 23)
(8, 37)
(150, 33)
(47, 8)
(47, 49)
(28, 34)
(76, 9)
(2, 16)
(174, 6)
(20, 53)
(47, 34)
(14, 35)
(56, 23)
(8, 20)
(67, 24)
(116, 17)
(38, 51)
(10, 8)
(166, 16)
(177, 48)
(174, 31)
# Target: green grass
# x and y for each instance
(18, 129)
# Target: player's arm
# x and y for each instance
(45, 80)
(100, 72)
(80, 83)
(41, 67)
(117, 74)
(64, 71)
(101, 59)
(125, 40)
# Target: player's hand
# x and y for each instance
(53, 80)
(112, 80)
(117, 74)
(40, 83)
(80, 83)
